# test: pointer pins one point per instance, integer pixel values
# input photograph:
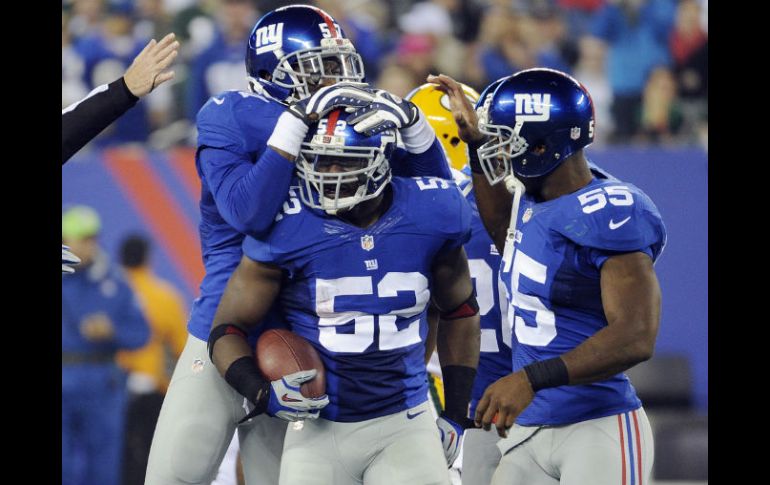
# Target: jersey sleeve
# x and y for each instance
(232, 132)
(628, 222)
(259, 250)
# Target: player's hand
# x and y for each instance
(147, 71)
(503, 401)
(97, 327)
(286, 401)
(462, 110)
(386, 111)
(450, 433)
(68, 260)
(341, 95)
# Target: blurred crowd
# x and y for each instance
(645, 62)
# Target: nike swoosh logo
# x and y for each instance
(218, 101)
(615, 225)
(286, 398)
(412, 416)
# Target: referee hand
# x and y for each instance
(147, 70)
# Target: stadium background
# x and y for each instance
(642, 60)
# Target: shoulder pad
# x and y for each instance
(611, 215)
(437, 205)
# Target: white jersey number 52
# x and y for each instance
(363, 336)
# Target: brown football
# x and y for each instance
(281, 352)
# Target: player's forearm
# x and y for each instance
(494, 203)
(459, 341)
(430, 340)
(227, 350)
(458, 352)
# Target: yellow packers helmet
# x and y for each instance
(435, 105)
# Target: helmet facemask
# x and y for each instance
(365, 173)
(303, 71)
(504, 144)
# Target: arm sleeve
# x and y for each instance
(248, 196)
(430, 163)
(82, 121)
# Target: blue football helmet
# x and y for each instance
(536, 119)
(298, 46)
(362, 164)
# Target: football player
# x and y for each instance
(479, 455)
(300, 65)
(354, 258)
(578, 251)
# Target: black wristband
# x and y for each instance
(547, 373)
(458, 384)
(473, 157)
(244, 377)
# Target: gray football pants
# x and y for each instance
(614, 450)
(197, 422)
(390, 450)
(480, 456)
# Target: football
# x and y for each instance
(282, 352)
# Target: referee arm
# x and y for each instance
(85, 119)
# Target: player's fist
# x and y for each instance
(450, 433)
(503, 401)
(287, 402)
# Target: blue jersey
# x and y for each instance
(553, 279)
(360, 296)
(237, 125)
(244, 185)
(484, 265)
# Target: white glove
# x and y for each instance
(292, 126)
(286, 401)
(387, 111)
(450, 433)
(67, 260)
(341, 95)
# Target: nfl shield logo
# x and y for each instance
(574, 133)
(367, 242)
(527, 215)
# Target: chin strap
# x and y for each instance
(514, 186)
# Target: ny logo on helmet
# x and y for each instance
(532, 107)
(269, 38)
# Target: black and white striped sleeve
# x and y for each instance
(83, 120)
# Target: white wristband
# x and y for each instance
(418, 137)
(288, 134)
